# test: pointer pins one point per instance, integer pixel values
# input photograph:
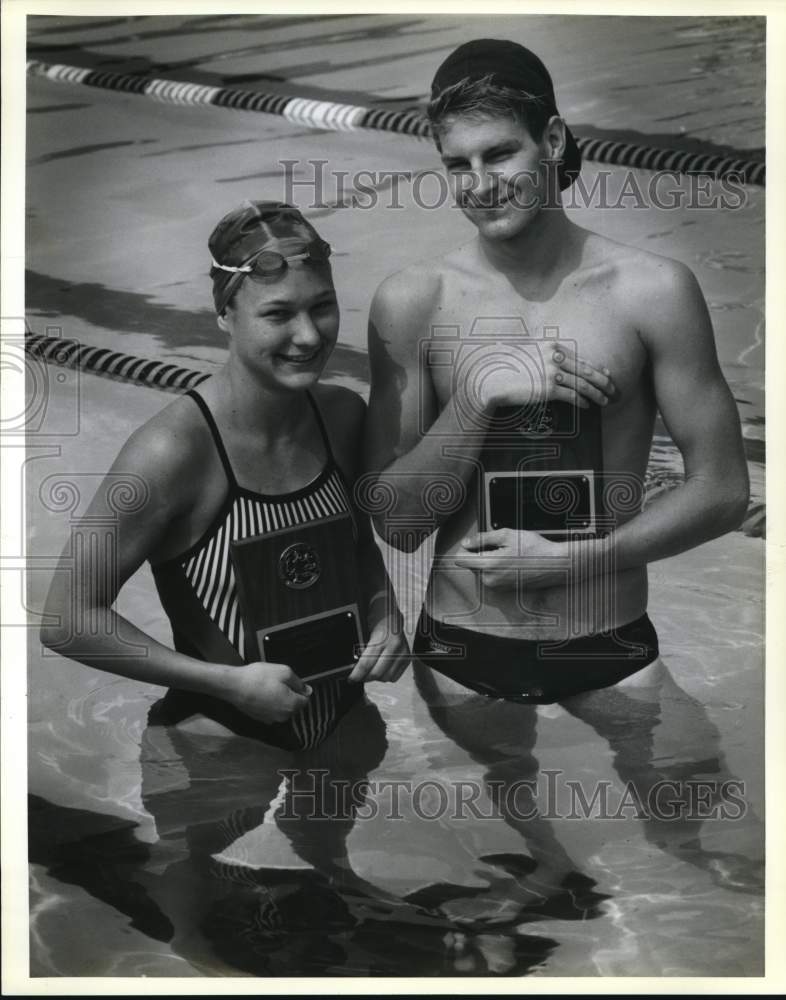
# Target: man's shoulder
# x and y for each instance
(415, 286)
(656, 296)
(635, 272)
(406, 302)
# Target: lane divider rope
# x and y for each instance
(113, 364)
(331, 116)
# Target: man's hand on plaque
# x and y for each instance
(386, 655)
(270, 692)
(508, 560)
(549, 370)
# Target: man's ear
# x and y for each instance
(223, 325)
(554, 137)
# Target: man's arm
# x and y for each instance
(701, 416)
(386, 655)
(420, 453)
(699, 412)
(405, 432)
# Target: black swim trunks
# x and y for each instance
(535, 672)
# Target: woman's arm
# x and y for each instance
(158, 468)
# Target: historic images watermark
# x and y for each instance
(313, 794)
(314, 185)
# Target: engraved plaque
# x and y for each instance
(298, 591)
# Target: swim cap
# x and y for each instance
(245, 231)
(511, 65)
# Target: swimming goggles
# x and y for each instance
(268, 263)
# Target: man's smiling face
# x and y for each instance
(497, 172)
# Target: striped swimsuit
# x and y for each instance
(198, 593)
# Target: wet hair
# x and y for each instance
(482, 98)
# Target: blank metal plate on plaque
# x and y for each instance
(542, 471)
(552, 503)
(315, 647)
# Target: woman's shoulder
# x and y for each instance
(169, 449)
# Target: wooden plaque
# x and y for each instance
(298, 592)
(542, 471)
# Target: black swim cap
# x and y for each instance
(510, 65)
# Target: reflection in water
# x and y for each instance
(501, 735)
(663, 739)
(675, 779)
(266, 862)
(250, 872)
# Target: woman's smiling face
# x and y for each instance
(284, 327)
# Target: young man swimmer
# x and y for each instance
(537, 315)
(576, 318)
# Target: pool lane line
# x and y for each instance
(331, 116)
(112, 364)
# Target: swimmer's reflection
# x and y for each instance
(501, 736)
(232, 834)
(252, 869)
(657, 733)
(668, 750)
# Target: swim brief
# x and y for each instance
(535, 672)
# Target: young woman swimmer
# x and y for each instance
(260, 446)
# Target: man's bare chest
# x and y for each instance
(475, 327)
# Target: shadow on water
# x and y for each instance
(367, 32)
(179, 27)
(46, 108)
(98, 853)
(284, 78)
(120, 311)
(249, 874)
(665, 140)
(83, 150)
(541, 883)
(251, 870)
(39, 29)
(133, 312)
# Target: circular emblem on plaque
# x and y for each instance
(539, 423)
(299, 566)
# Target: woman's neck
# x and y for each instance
(261, 409)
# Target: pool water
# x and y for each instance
(633, 844)
(397, 847)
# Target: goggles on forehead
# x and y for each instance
(267, 263)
